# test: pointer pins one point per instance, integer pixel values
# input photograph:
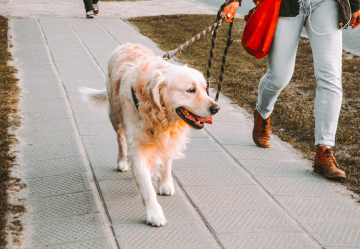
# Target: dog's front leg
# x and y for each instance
(142, 176)
(166, 185)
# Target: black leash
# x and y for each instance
(213, 28)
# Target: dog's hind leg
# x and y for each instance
(142, 177)
(122, 157)
(166, 185)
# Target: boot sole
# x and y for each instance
(260, 145)
(319, 171)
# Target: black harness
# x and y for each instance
(135, 100)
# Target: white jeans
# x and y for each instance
(327, 53)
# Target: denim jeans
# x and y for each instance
(326, 42)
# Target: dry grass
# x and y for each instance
(8, 121)
(292, 119)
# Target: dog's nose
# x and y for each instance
(214, 109)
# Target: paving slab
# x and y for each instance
(229, 193)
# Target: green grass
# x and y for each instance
(292, 119)
(8, 122)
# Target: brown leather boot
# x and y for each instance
(326, 164)
(261, 131)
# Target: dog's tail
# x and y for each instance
(97, 98)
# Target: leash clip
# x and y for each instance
(169, 55)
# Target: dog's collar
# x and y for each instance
(135, 101)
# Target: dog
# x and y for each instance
(151, 104)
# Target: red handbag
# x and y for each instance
(260, 27)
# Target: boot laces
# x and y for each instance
(330, 157)
(263, 127)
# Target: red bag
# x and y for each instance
(260, 27)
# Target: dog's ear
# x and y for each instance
(157, 81)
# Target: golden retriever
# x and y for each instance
(151, 105)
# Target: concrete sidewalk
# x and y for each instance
(229, 193)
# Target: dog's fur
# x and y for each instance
(152, 136)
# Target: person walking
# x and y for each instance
(323, 21)
(91, 8)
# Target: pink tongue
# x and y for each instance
(205, 120)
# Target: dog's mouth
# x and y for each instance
(193, 120)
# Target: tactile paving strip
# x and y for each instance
(105, 172)
(88, 117)
(89, 244)
(80, 107)
(227, 196)
(46, 126)
(228, 126)
(56, 185)
(316, 208)
(63, 206)
(335, 233)
(88, 83)
(251, 219)
(133, 211)
(296, 186)
(122, 189)
(95, 129)
(274, 168)
(173, 235)
(204, 160)
(233, 138)
(54, 137)
(101, 156)
(269, 241)
(230, 116)
(202, 144)
(211, 176)
(257, 153)
(49, 151)
(52, 104)
(46, 114)
(51, 94)
(31, 85)
(198, 133)
(67, 229)
(108, 141)
(36, 73)
(54, 167)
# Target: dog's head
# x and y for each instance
(182, 91)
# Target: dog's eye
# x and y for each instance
(191, 90)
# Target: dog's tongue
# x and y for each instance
(208, 120)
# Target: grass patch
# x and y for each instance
(8, 122)
(292, 119)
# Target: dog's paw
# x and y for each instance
(155, 216)
(166, 188)
(123, 166)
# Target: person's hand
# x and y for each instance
(355, 19)
(230, 11)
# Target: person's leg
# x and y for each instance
(326, 43)
(281, 63)
(88, 5)
(327, 51)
